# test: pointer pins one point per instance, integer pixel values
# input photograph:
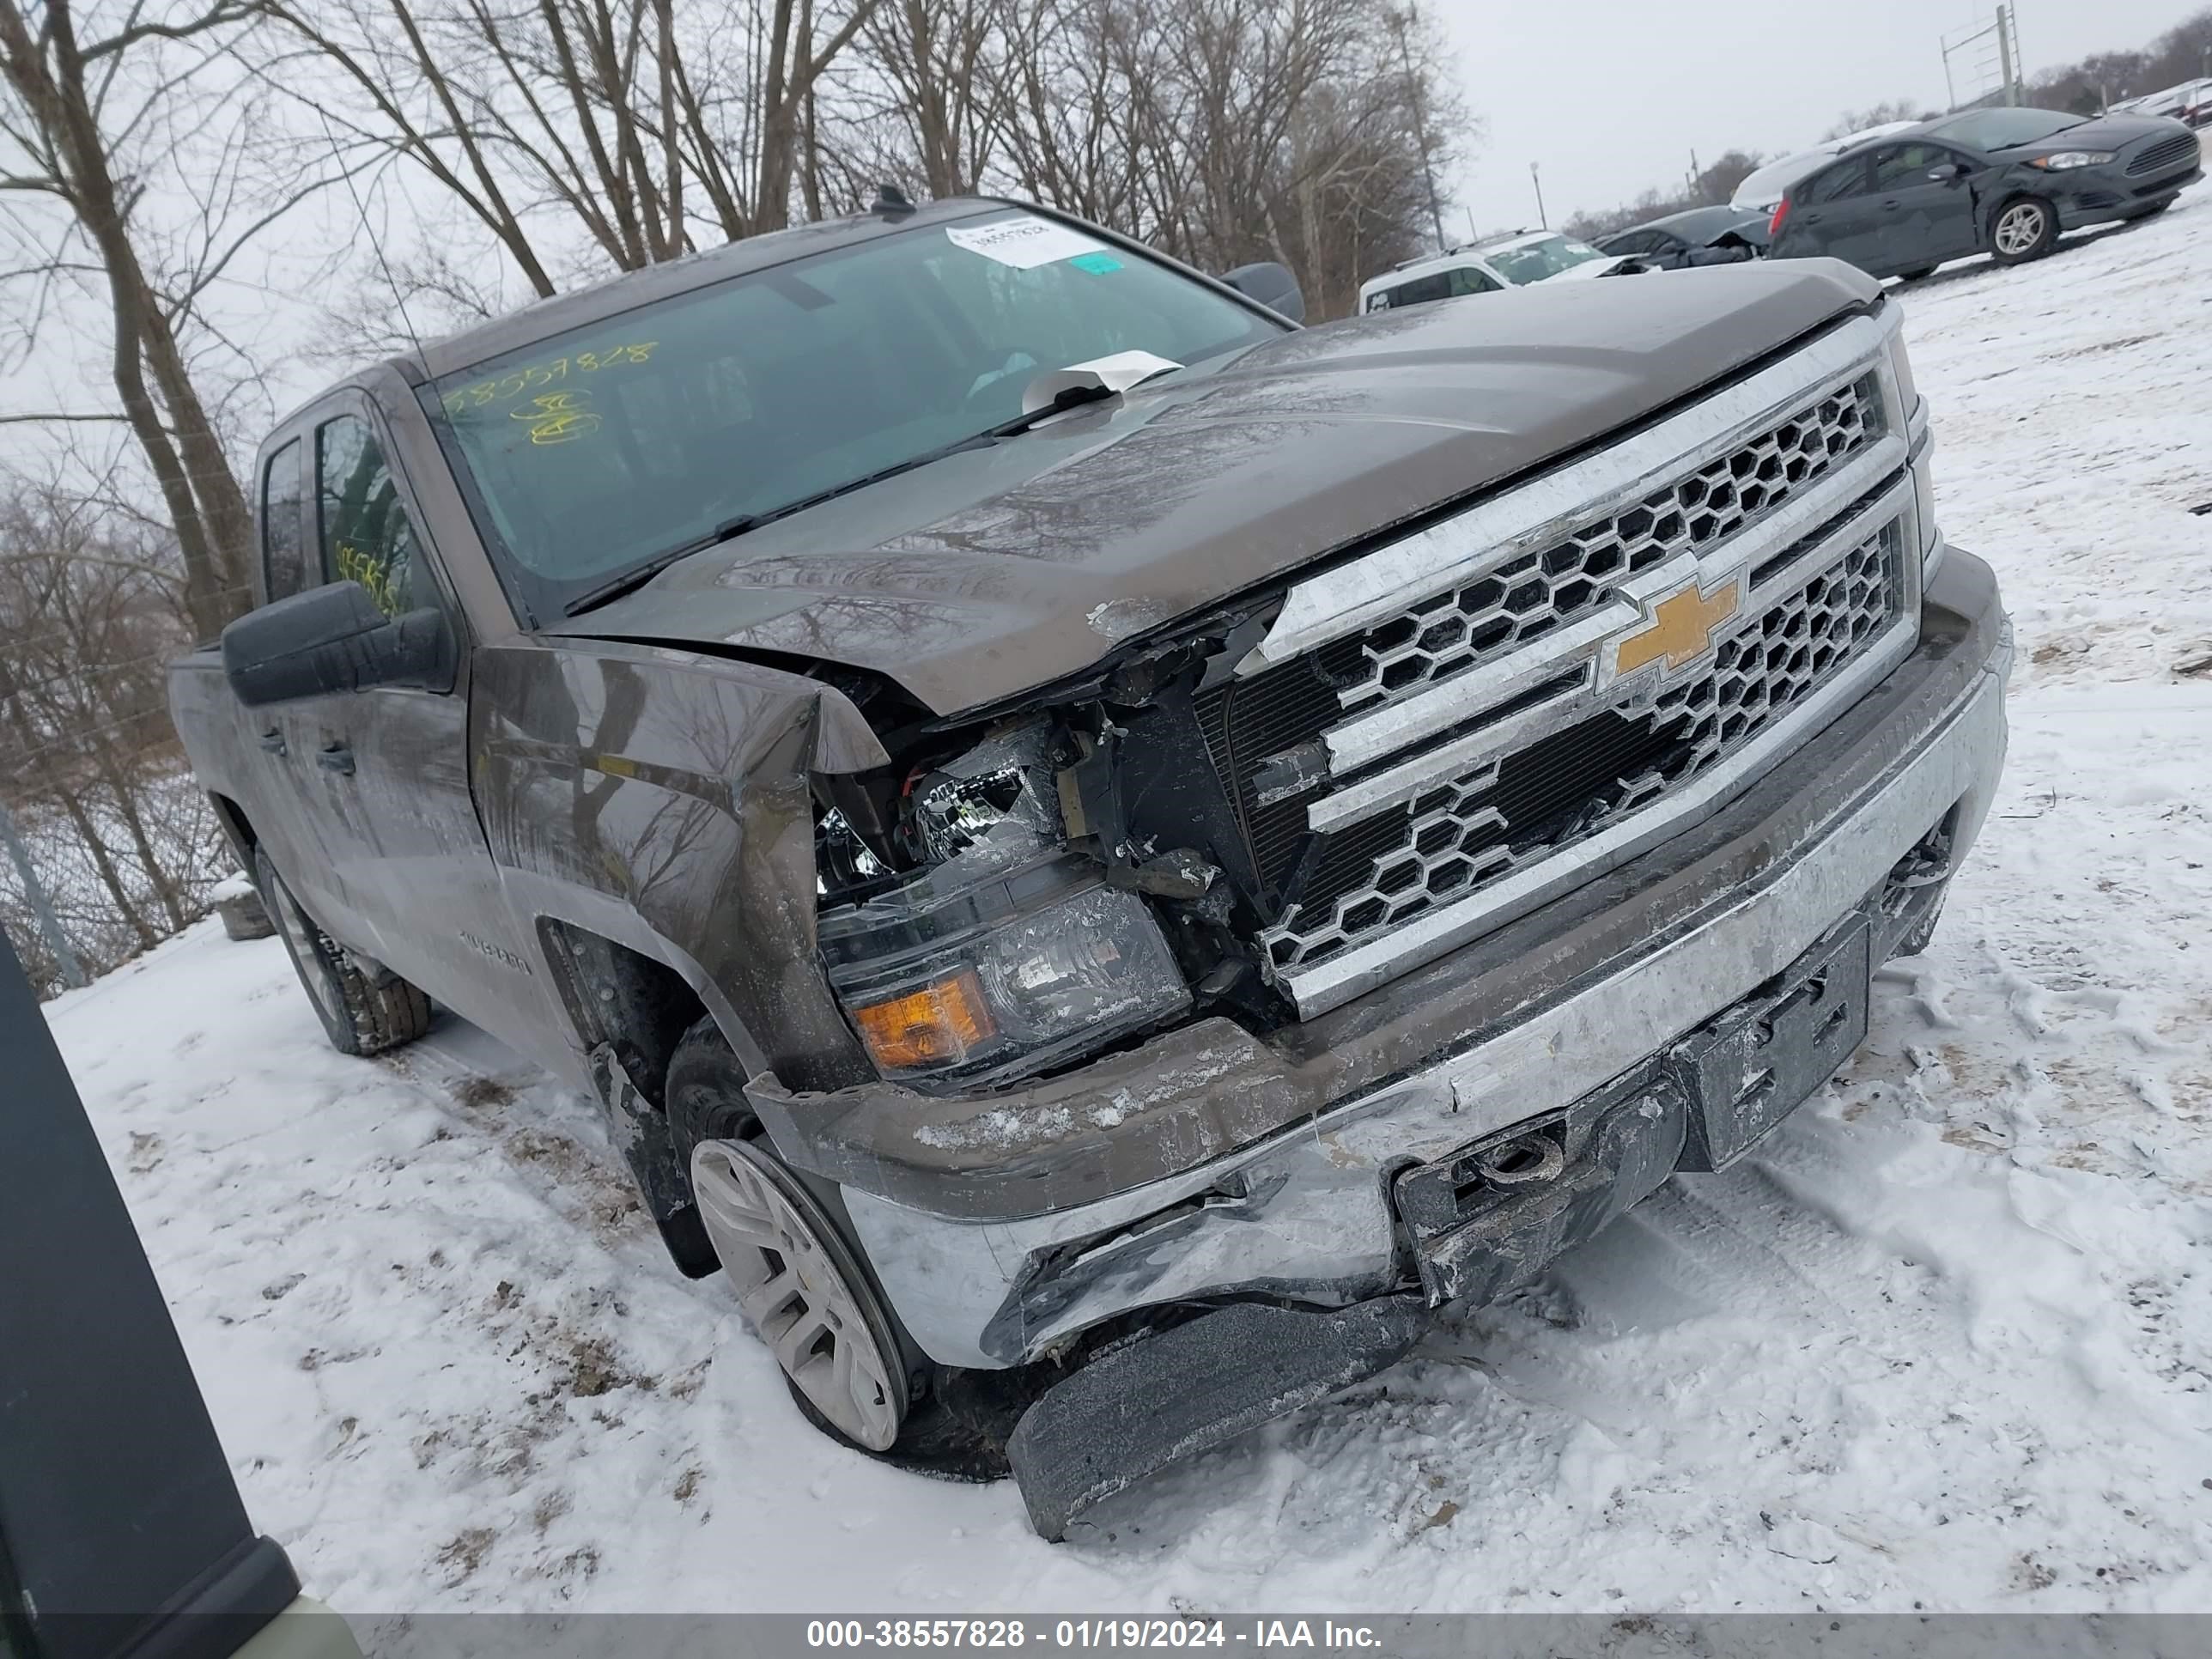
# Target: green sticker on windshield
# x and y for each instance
(1097, 263)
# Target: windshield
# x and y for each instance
(2000, 129)
(1532, 262)
(591, 452)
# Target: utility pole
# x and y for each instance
(1542, 223)
(42, 909)
(2005, 55)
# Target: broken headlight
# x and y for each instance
(987, 973)
(1002, 952)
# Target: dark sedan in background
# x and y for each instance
(1706, 235)
(2004, 182)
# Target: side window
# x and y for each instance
(284, 537)
(1846, 179)
(1904, 165)
(1421, 290)
(1466, 280)
(365, 534)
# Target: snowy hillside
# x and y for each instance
(1944, 1341)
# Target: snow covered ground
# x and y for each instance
(1945, 1341)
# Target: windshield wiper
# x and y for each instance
(637, 576)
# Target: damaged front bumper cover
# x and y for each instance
(1210, 1163)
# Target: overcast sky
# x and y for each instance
(1610, 97)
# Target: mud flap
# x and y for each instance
(1134, 1410)
(641, 1131)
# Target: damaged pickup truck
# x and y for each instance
(1108, 855)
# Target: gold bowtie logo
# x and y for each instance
(1681, 629)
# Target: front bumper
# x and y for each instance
(2101, 194)
(1209, 1163)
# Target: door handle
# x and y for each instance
(272, 742)
(1892, 204)
(335, 757)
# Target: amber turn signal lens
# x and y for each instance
(940, 1024)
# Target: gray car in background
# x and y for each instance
(2004, 182)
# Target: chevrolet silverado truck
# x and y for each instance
(1108, 856)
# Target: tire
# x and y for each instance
(364, 1006)
(949, 1423)
(1917, 274)
(2024, 229)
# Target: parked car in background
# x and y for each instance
(1706, 235)
(2190, 103)
(2000, 181)
(1762, 191)
(1486, 267)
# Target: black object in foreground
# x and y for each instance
(120, 1527)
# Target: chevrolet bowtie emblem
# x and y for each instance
(1681, 629)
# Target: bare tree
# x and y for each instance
(90, 773)
(623, 121)
(76, 110)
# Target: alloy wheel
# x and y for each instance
(2020, 227)
(800, 1291)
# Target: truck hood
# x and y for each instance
(992, 572)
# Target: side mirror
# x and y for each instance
(1273, 286)
(1948, 172)
(333, 638)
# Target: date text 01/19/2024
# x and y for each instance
(1089, 1633)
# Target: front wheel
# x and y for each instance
(364, 1006)
(807, 1296)
(2025, 230)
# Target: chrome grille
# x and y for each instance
(2163, 154)
(1539, 801)
(1529, 596)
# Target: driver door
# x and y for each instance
(1927, 212)
(396, 864)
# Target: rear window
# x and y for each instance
(1768, 184)
(283, 537)
(1846, 179)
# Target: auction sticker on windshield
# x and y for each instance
(1024, 243)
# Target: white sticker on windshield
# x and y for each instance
(1024, 243)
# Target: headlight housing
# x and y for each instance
(1908, 399)
(2065, 161)
(999, 951)
(966, 978)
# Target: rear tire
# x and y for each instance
(364, 1006)
(1917, 275)
(2024, 229)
